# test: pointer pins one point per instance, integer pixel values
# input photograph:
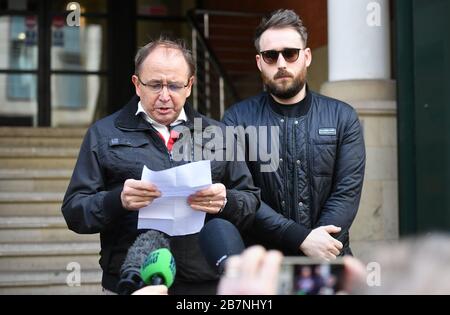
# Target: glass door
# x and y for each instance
(19, 31)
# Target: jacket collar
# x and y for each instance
(127, 120)
(293, 110)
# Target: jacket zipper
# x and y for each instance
(296, 210)
(169, 153)
(308, 171)
(286, 171)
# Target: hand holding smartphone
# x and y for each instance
(304, 276)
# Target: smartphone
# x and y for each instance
(304, 276)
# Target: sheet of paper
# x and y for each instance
(171, 213)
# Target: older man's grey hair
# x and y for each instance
(178, 44)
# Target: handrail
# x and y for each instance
(213, 58)
(228, 13)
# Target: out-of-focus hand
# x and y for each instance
(355, 275)
(254, 272)
(137, 194)
(152, 290)
(209, 200)
(321, 245)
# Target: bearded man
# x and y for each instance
(311, 197)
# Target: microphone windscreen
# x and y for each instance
(220, 239)
(144, 244)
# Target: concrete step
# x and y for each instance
(23, 180)
(37, 185)
(30, 204)
(30, 209)
(39, 229)
(39, 152)
(38, 162)
(32, 278)
(38, 158)
(74, 142)
(46, 132)
(49, 282)
(48, 256)
(35, 174)
(85, 289)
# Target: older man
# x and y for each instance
(105, 192)
(311, 198)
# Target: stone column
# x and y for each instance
(359, 40)
(359, 56)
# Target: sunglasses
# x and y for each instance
(289, 54)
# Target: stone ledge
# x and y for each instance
(368, 97)
(377, 108)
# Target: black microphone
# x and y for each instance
(219, 239)
(143, 246)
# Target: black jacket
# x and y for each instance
(320, 173)
(115, 149)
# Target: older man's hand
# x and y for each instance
(137, 194)
(209, 200)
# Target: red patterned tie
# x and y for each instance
(173, 137)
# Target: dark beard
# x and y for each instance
(284, 92)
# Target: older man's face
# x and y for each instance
(282, 78)
(165, 68)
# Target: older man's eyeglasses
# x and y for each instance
(289, 54)
(157, 86)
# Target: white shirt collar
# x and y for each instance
(181, 117)
(162, 129)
